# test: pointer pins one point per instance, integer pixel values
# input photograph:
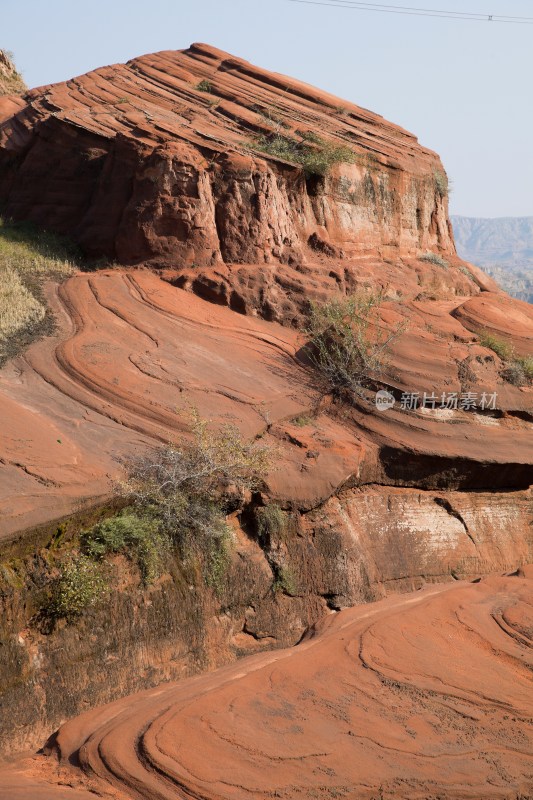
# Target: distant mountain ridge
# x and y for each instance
(503, 247)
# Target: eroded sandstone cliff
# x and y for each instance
(156, 163)
(155, 159)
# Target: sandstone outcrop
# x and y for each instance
(135, 353)
(154, 163)
(379, 501)
(154, 159)
(424, 695)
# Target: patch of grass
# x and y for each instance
(501, 347)
(27, 258)
(316, 156)
(137, 537)
(205, 86)
(349, 346)
(302, 421)
(285, 581)
(218, 560)
(18, 306)
(517, 370)
(271, 523)
(442, 184)
(434, 258)
(79, 586)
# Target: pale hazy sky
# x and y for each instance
(464, 88)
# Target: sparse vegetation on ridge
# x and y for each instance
(442, 184)
(11, 81)
(434, 258)
(316, 156)
(517, 370)
(349, 345)
(205, 86)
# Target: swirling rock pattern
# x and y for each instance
(421, 696)
(135, 353)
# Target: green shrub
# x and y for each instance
(205, 86)
(434, 258)
(79, 586)
(316, 156)
(138, 538)
(348, 344)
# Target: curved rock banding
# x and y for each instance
(425, 695)
(143, 163)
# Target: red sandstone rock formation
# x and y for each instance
(135, 353)
(138, 163)
(425, 695)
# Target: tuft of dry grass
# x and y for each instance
(27, 258)
(11, 81)
(18, 307)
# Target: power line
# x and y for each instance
(418, 12)
(477, 14)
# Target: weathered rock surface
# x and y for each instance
(378, 502)
(139, 163)
(425, 695)
(135, 353)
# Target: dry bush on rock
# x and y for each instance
(349, 345)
